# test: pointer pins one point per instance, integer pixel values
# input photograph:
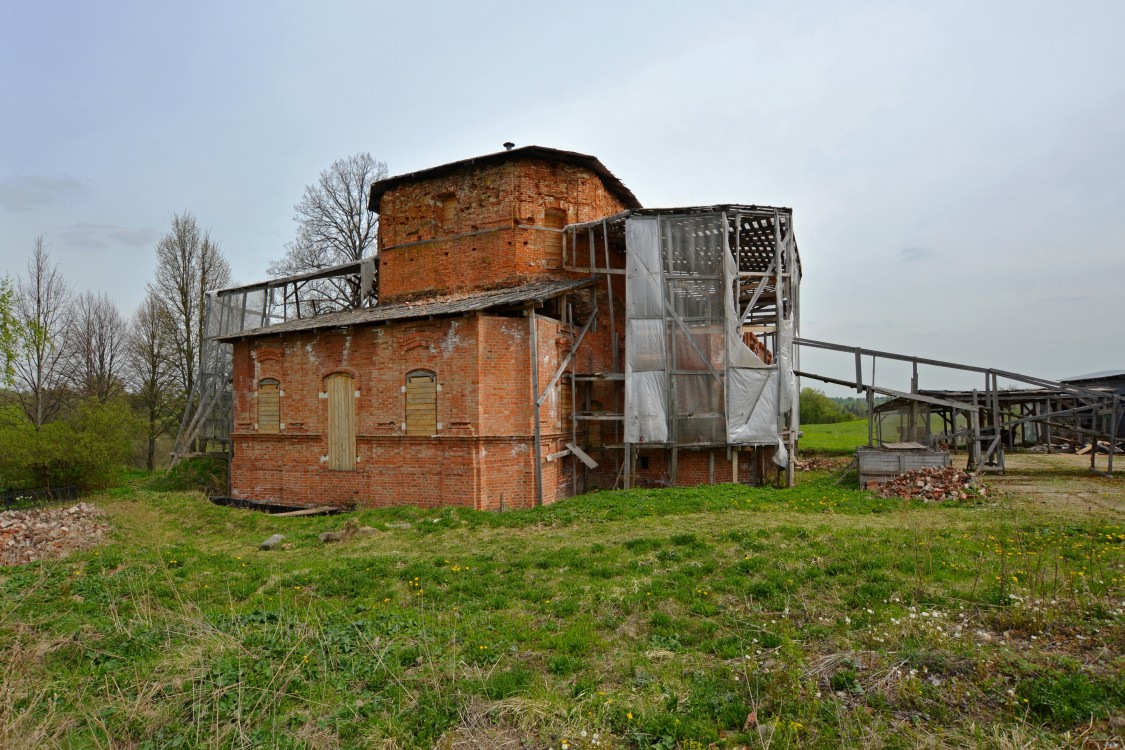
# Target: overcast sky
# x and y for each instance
(957, 171)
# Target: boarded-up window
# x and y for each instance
(594, 428)
(448, 209)
(555, 218)
(341, 421)
(421, 403)
(269, 405)
(566, 404)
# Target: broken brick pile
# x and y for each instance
(817, 463)
(930, 483)
(47, 533)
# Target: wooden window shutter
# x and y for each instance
(594, 428)
(341, 421)
(421, 404)
(555, 218)
(566, 410)
(269, 406)
(448, 209)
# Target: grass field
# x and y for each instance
(841, 438)
(727, 616)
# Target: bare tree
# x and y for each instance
(96, 347)
(188, 264)
(150, 372)
(334, 227)
(42, 308)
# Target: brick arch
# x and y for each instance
(418, 339)
(267, 354)
(324, 375)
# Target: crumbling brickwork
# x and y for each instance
(481, 455)
(495, 235)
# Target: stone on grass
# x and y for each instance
(272, 542)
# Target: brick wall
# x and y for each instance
(497, 235)
(482, 455)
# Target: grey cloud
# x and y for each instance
(100, 236)
(26, 192)
(916, 253)
(135, 236)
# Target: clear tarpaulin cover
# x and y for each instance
(689, 376)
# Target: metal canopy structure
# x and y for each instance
(984, 420)
(206, 422)
(710, 310)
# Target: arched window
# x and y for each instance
(341, 421)
(421, 403)
(269, 405)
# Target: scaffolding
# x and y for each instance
(207, 420)
(1008, 410)
(710, 310)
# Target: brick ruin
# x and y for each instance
(432, 396)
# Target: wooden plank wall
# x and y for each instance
(341, 422)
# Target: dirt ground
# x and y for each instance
(1058, 481)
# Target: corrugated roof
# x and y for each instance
(592, 163)
(1099, 375)
(432, 307)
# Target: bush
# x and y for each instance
(88, 447)
(204, 473)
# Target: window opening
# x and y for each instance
(269, 406)
(421, 403)
(448, 209)
(555, 218)
(341, 421)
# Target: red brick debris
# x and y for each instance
(930, 484)
(47, 533)
(819, 463)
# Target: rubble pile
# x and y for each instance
(46, 533)
(817, 463)
(930, 483)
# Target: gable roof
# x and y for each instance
(612, 184)
(425, 308)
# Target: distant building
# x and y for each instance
(1110, 381)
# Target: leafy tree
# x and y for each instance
(334, 227)
(9, 333)
(817, 408)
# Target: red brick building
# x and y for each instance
(490, 373)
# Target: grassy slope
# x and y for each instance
(834, 439)
(644, 618)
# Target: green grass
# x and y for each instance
(648, 619)
(841, 438)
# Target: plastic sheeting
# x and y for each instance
(646, 357)
(690, 379)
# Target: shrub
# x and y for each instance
(88, 447)
(203, 473)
